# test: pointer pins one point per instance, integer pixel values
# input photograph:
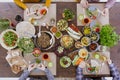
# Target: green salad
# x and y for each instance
(68, 14)
(26, 45)
(108, 36)
(10, 38)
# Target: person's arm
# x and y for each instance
(47, 71)
(79, 73)
(110, 3)
(20, 4)
(49, 74)
(26, 72)
(115, 72)
(24, 75)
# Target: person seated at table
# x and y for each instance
(31, 67)
(114, 72)
(108, 5)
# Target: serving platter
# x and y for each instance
(25, 29)
(38, 11)
(14, 59)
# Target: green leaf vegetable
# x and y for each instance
(10, 38)
(4, 24)
(26, 45)
(108, 37)
(68, 14)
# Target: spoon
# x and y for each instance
(39, 33)
(51, 41)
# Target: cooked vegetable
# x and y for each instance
(76, 57)
(60, 49)
(79, 61)
(65, 61)
(83, 53)
(94, 36)
(85, 41)
(58, 34)
(68, 14)
(44, 40)
(67, 41)
(86, 30)
(10, 38)
(78, 44)
(26, 45)
(62, 24)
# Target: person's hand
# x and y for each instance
(109, 61)
(82, 64)
(31, 67)
(41, 67)
(105, 12)
(84, 3)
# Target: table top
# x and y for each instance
(37, 72)
(60, 7)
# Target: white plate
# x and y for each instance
(2, 42)
(25, 29)
(38, 8)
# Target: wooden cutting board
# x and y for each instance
(30, 58)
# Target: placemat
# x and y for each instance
(102, 19)
(29, 57)
(46, 19)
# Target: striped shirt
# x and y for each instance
(114, 72)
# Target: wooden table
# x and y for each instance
(10, 10)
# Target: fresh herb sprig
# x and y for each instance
(108, 37)
(68, 14)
